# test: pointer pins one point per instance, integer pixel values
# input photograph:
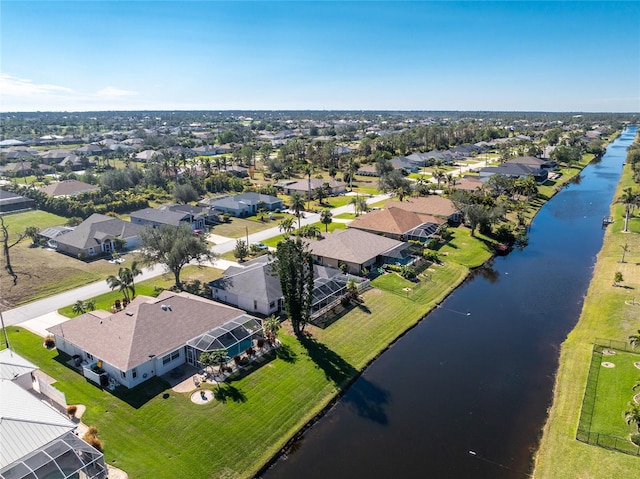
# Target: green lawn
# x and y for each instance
(17, 222)
(613, 394)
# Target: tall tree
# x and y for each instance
(174, 247)
(294, 265)
(241, 250)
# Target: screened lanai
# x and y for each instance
(235, 337)
(424, 232)
(329, 290)
(66, 457)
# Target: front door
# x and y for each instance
(190, 356)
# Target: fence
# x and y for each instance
(584, 433)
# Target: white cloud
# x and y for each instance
(21, 87)
(113, 92)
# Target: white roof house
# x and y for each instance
(38, 441)
(15, 368)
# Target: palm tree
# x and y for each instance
(135, 271)
(326, 218)
(625, 250)
(297, 205)
(122, 281)
(90, 305)
(271, 326)
(79, 307)
(286, 226)
(629, 199)
(632, 415)
(634, 340)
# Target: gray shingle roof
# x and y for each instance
(96, 228)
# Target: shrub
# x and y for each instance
(249, 351)
(260, 343)
(49, 342)
(91, 438)
(71, 410)
(431, 256)
(635, 438)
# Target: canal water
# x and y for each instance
(465, 393)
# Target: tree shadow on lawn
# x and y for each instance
(225, 392)
(367, 399)
(285, 353)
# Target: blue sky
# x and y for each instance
(215, 55)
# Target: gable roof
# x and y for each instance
(96, 228)
(352, 245)
(26, 423)
(513, 169)
(393, 220)
(145, 329)
(429, 205)
(68, 188)
(303, 185)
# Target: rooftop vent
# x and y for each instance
(165, 307)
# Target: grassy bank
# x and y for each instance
(604, 315)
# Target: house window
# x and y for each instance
(272, 304)
(89, 356)
(175, 355)
(92, 251)
(134, 373)
(255, 304)
(166, 360)
(123, 374)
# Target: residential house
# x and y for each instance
(367, 170)
(245, 204)
(255, 286)
(173, 215)
(38, 439)
(97, 235)
(303, 186)
(399, 224)
(89, 150)
(433, 205)
(533, 162)
(514, 170)
(149, 155)
(468, 183)
(152, 336)
(356, 249)
(18, 169)
(404, 164)
(10, 202)
(68, 188)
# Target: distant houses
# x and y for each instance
(304, 186)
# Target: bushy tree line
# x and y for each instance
(85, 204)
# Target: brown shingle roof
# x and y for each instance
(352, 245)
(429, 205)
(68, 188)
(128, 338)
(392, 220)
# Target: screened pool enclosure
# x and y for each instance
(66, 457)
(234, 336)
